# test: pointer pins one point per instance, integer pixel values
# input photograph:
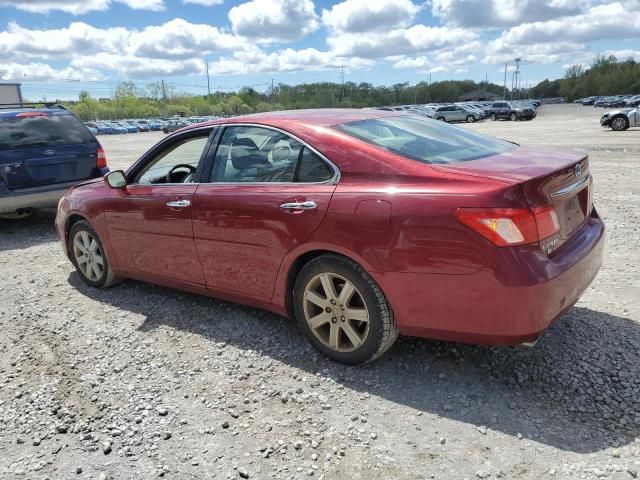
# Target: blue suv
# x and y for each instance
(43, 152)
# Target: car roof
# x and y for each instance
(321, 117)
(14, 112)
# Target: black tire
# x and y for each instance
(470, 119)
(107, 278)
(441, 119)
(619, 123)
(513, 117)
(382, 331)
(493, 117)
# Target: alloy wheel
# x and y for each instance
(336, 312)
(88, 255)
(618, 123)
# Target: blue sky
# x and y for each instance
(58, 47)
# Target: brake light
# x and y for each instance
(511, 226)
(101, 158)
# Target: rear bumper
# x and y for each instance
(512, 301)
(37, 197)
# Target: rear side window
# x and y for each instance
(312, 168)
(43, 131)
(425, 140)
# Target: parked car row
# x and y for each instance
(473, 111)
(143, 125)
(615, 101)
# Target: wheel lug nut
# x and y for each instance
(334, 319)
(342, 318)
(333, 302)
(328, 309)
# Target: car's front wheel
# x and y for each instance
(88, 256)
(441, 119)
(619, 123)
(493, 117)
(470, 119)
(342, 310)
(513, 117)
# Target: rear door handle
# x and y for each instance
(178, 203)
(308, 205)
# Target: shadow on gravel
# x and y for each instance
(27, 232)
(577, 390)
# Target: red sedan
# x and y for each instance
(361, 224)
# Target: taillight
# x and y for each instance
(511, 226)
(101, 158)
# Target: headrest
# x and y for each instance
(245, 154)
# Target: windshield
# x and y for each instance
(42, 131)
(425, 140)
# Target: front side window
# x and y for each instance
(248, 154)
(175, 164)
(424, 140)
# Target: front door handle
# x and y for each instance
(178, 203)
(308, 205)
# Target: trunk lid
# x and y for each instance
(546, 177)
(45, 149)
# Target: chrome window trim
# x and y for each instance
(332, 181)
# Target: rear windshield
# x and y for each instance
(42, 131)
(425, 140)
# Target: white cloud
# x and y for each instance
(403, 41)
(74, 7)
(79, 7)
(155, 5)
(541, 54)
(137, 67)
(18, 42)
(504, 13)
(38, 71)
(274, 20)
(181, 39)
(367, 15)
(616, 20)
(204, 3)
(287, 60)
(416, 62)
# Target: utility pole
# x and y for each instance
(342, 76)
(272, 90)
(164, 92)
(208, 81)
(517, 75)
(504, 94)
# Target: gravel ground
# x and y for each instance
(140, 381)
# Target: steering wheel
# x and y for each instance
(191, 169)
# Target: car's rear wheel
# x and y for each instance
(470, 119)
(88, 256)
(619, 123)
(493, 117)
(513, 117)
(342, 311)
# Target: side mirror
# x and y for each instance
(116, 179)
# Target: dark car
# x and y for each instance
(173, 125)
(43, 152)
(511, 111)
(361, 224)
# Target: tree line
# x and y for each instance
(607, 76)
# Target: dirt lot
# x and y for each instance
(139, 381)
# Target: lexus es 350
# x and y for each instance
(360, 224)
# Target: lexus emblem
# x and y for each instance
(48, 153)
(578, 170)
